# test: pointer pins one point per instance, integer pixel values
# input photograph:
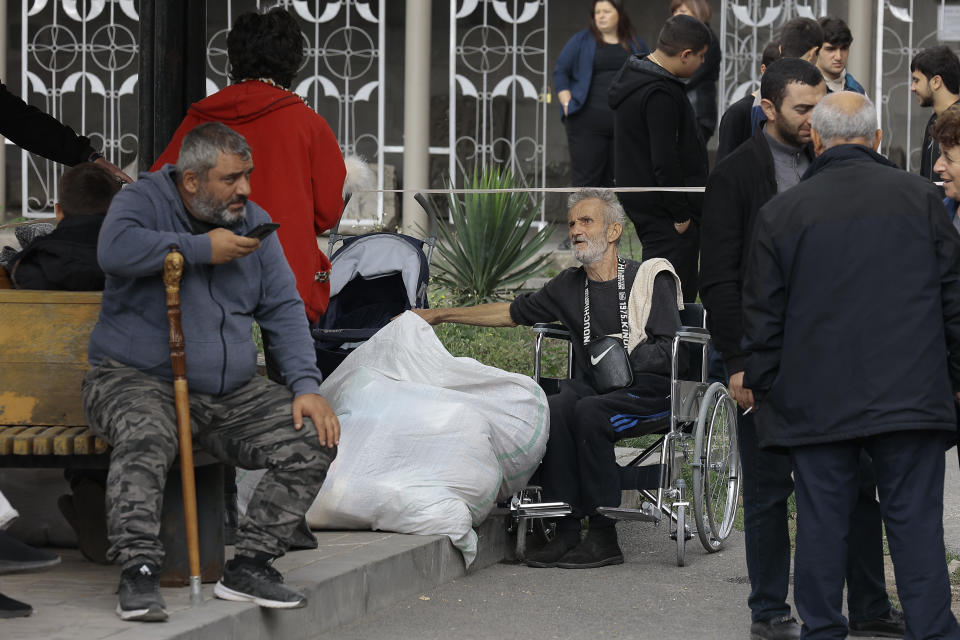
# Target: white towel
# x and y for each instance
(641, 296)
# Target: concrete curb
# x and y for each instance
(351, 575)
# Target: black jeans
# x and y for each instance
(590, 138)
(909, 467)
(579, 466)
(661, 240)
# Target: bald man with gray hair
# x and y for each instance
(851, 314)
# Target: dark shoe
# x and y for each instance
(889, 625)
(302, 537)
(246, 580)
(139, 595)
(10, 608)
(779, 628)
(17, 557)
(598, 549)
(548, 555)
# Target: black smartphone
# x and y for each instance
(261, 231)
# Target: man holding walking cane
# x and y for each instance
(229, 280)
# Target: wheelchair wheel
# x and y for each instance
(681, 535)
(716, 473)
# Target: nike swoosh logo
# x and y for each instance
(595, 359)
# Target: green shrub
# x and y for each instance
(487, 255)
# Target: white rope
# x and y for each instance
(536, 190)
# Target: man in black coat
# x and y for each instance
(851, 316)
(771, 162)
(658, 144)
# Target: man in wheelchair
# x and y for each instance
(627, 313)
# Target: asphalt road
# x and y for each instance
(646, 597)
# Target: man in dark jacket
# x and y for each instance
(851, 314)
(771, 162)
(66, 259)
(736, 124)
(658, 144)
(799, 38)
(935, 80)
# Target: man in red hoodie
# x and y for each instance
(300, 170)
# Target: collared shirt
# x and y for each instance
(839, 84)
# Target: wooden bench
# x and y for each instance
(43, 358)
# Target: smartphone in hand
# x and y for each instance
(261, 231)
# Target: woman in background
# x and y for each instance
(582, 77)
(702, 85)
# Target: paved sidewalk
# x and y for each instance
(350, 575)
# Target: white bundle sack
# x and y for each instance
(428, 441)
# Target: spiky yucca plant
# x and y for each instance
(486, 255)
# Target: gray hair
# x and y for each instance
(832, 122)
(612, 209)
(203, 144)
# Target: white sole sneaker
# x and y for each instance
(226, 593)
(153, 614)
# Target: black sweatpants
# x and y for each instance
(579, 466)
(660, 239)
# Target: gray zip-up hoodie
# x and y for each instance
(218, 302)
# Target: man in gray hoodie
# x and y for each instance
(229, 281)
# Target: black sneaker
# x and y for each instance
(10, 608)
(889, 625)
(139, 595)
(249, 581)
(548, 555)
(599, 549)
(16, 556)
(779, 628)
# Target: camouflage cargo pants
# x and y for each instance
(251, 428)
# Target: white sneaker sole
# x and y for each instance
(143, 615)
(226, 593)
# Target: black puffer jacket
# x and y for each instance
(657, 142)
(851, 305)
(64, 260)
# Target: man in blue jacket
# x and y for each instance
(229, 281)
(851, 325)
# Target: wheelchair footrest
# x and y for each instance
(544, 510)
(619, 513)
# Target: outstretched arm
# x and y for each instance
(496, 314)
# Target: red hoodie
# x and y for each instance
(298, 177)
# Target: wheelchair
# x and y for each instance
(695, 451)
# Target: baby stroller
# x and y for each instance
(373, 278)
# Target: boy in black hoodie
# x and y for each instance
(657, 143)
(66, 259)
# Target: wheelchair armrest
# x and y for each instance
(693, 334)
(556, 330)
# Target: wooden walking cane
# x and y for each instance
(172, 272)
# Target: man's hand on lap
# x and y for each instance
(319, 410)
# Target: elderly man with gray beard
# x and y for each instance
(851, 329)
(607, 296)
